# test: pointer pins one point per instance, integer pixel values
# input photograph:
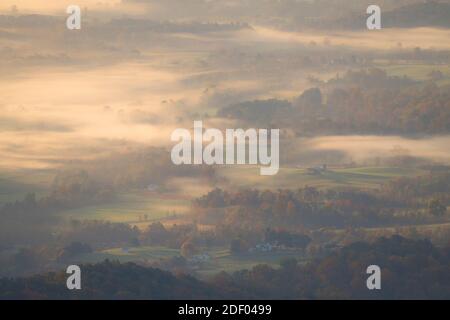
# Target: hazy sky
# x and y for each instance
(56, 6)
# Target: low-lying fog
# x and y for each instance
(362, 148)
(104, 92)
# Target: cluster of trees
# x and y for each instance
(408, 111)
(120, 26)
(175, 237)
(84, 183)
(431, 192)
(410, 269)
(130, 25)
(70, 189)
(305, 207)
(372, 78)
(22, 262)
(76, 188)
(410, 188)
(273, 237)
(360, 102)
(287, 239)
(189, 238)
(100, 234)
(73, 250)
(429, 13)
(53, 246)
(402, 14)
(30, 220)
(240, 219)
(418, 199)
(109, 280)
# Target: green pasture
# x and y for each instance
(293, 178)
(221, 258)
(140, 207)
(136, 254)
(418, 71)
(131, 207)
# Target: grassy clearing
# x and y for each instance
(131, 207)
(221, 258)
(139, 254)
(292, 178)
(418, 71)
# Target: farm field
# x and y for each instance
(362, 177)
(134, 207)
(418, 72)
(223, 260)
(141, 254)
(140, 207)
(220, 258)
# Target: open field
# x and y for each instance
(131, 207)
(292, 178)
(220, 258)
(141, 207)
(418, 72)
(223, 260)
(142, 254)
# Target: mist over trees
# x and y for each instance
(357, 103)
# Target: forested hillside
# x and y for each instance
(411, 270)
